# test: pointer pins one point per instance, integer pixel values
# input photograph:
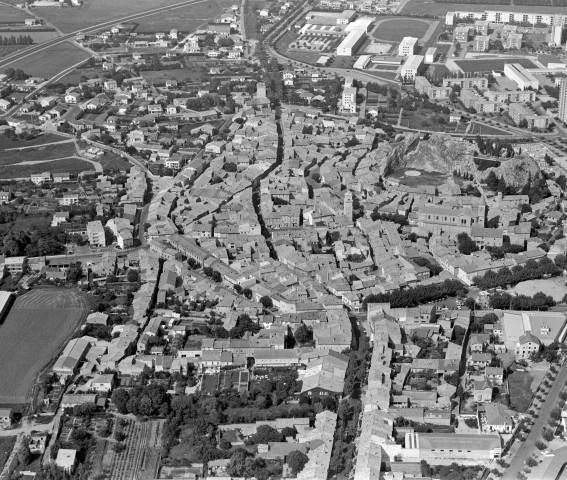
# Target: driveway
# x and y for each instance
(528, 446)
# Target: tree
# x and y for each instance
(216, 276)
(244, 324)
(547, 436)
(303, 334)
(296, 461)
(531, 462)
(24, 456)
(540, 445)
(132, 275)
(120, 399)
(266, 434)
(267, 302)
(466, 244)
(75, 272)
(230, 167)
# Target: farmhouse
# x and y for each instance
(6, 417)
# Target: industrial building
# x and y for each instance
(520, 76)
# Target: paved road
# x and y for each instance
(528, 446)
(45, 45)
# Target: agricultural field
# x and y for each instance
(489, 64)
(37, 36)
(99, 11)
(395, 30)
(9, 14)
(192, 73)
(139, 459)
(74, 166)
(48, 152)
(430, 8)
(36, 328)
(51, 61)
(8, 49)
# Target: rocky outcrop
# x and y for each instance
(516, 171)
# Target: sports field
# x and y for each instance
(36, 328)
(396, 29)
(553, 286)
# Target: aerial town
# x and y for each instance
(281, 239)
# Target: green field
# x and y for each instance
(190, 74)
(396, 29)
(49, 152)
(34, 331)
(489, 64)
(6, 447)
(73, 166)
(6, 142)
(112, 161)
(51, 61)
(98, 11)
(520, 391)
(250, 17)
(429, 7)
(487, 130)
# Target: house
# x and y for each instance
(103, 383)
(527, 345)
(39, 178)
(69, 199)
(59, 218)
(325, 375)
(494, 374)
(6, 417)
(96, 234)
(482, 391)
(72, 97)
(494, 417)
(4, 197)
(479, 360)
(66, 458)
(37, 443)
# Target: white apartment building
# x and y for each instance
(407, 46)
(95, 234)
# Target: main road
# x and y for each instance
(21, 54)
(528, 445)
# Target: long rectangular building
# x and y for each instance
(351, 43)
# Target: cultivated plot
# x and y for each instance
(34, 331)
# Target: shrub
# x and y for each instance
(540, 445)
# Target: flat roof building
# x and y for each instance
(407, 46)
(412, 67)
(520, 76)
(351, 43)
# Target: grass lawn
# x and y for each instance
(6, 446)
(51, 61)
(429, 7)
(6, 142)
(35, 329)
(486, 130)
(396, 29)
(73, 166)
(75, 76)
(489, 64)
(48, 152)
(520, 391)
(98, 11)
